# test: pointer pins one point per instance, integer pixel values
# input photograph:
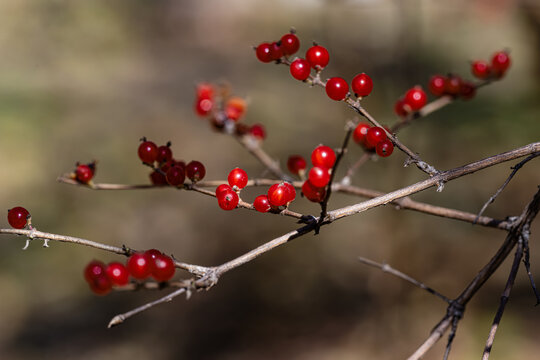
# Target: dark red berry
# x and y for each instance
(84, 173)
(313, 193)
(17, 217)
(323, 156)
(318, 57)
(296, 163)
(238, 177)
(359, 134)
(362, 85)
(300, 69)
(195, 171)
(139, 266)
(96, 276)
(401, 108)
(278, 194)
(452, 85)
(319, 176)
(437, 85)
(384, 148)
(264, 52)
(164, 153)
(261, 203)
(148, 152)
(101, 285)
(258, 131)
(480, 69)
(157, 178)
(228, 199)
(416, 98)
(117, 273)
(203, 107)
(163, 268)
(374, 136)
(289, 44)
(176, 175)
(337, 88)
(276, 51)
(500, 62)
(152, 254)
(94, 269)
(467, 90)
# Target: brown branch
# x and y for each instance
(257, 151)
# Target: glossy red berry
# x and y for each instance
(480, 69)
(362, 85)
(148, 152)
(164, 153)
(95, 275)
(195, 171)
(337, 88)
(261, 203)
(17, 217)
(157, 178)
(318, 57)
(203, 107)
(401, 108)
(94, 269)
(323, 156)
(319, 176)
(384, 148)
(300, 69)
(221, 188)
(467, 90)
(258, 131)
(374, 136)
(416, 98)
(264, 52)
(452, 85)
(437, 85)
(84, 173)
(291, 191)
(228, 199)
(359, 134)
(176, 175)
(163, 268)
(289, 44)
(139, 266)
(117, 273)
(296, 163)
(313, 193)
(278, 194)
(500, 62)
(238, 177)
(276, 51)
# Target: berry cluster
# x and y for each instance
(18, 217)
(84, 172)
(167, 170)
(224, 111)
(316, 58)
(500, 62)
(323, 159)
(452, 85)
(140, 266)
(373, 138)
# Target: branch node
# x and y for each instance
(117, 320)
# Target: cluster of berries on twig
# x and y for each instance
(373, 138)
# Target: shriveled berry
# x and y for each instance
(359, 134)
(176, 175)
(148, 152)
(416, 98)
(163, 268)
(258, 131)
(296, 163)
(500, 62)
(319, 176)
(195, 171)
(289, 44)
(318, 57)
(374, 136)
(323, 156)
(264, 52)
(238, 177)
(437, 85)
(139, 266)
(480, 69)
(261, 203)
(300, 69)
(384, 148)
(467, 90)
(117, 273)
(228, 199)
(452, 85)
(17, 217)
(336, 88)
(313, 193)
(362, 85)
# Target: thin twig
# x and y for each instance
(526, 262)
(254, 148)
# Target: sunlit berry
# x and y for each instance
(237, 177)
(300, 69)
(359, 133)
(261, 203)
(318, 57)
(416, 98)
(228, 199)
(313, 193)
(319, 176)
(323, 156)
(336, 88)
(362, 85)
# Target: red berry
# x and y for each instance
(452, 85)
(319, 176)
(163, 268)
(500, 62)
(318, 57)
(359, 134)
(84, 173)
(164, 153)
(300, 69)
(227, 199)
(258, 131)
(95, 275)
(101, 285)
(235, 108)
(221, 188)
(374, 136)
(17, 217)
(313, 193)
(323, 156)
(416, 98)
(195, 171)
(362, 85)
(337, 88)
(139, 266)
(291, 191)
(93, 270)
(264, 52)
(278, 194)
(205, 91)
(480, 69)
(238, 177)
(401, 108)
(261, 203)
(437, 85)
(275, 51)
(176, 175)
(203, 106)
(148, 152)
(152, 254)
(289, 44)
(157, 178)
(296, 163)
(117, 273)
(467, 90)
(384, 148)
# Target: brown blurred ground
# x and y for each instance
(85, 80)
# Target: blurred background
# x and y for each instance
(85, 80)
